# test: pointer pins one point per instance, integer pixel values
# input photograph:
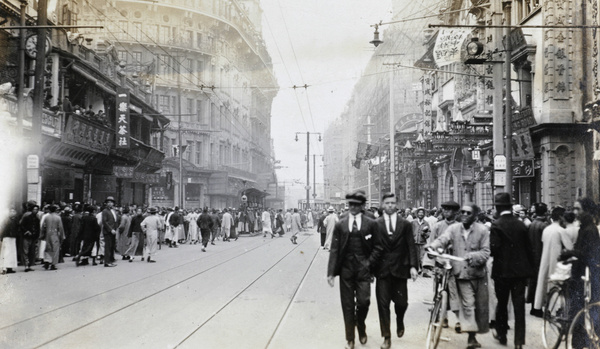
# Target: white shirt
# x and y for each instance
(387, 217)
(351, 219)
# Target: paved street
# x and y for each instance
(252, 293)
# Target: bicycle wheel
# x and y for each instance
(584, 331)
(438, 314)
(555, 319)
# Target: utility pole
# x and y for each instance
(180, 189)
(315, 177)
(307, 187)
(508, 103)
(392, 133)
(497, 116)
(369, 125)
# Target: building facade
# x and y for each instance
(209, 72)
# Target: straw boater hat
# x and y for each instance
(330, 209)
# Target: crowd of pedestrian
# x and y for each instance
(507, 253)
(90, 234)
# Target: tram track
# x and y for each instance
(153, 294)
(133, 283)
(248, 286)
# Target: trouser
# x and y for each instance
(205, 236)
(100, 251)
(109, 248)
(328, 239)
(29, 248)
(355, 295)
(474, 311)
(214, 234)
(323, 236)
(151, 244)
(133, 245)
(75, 244)
(225, 232)
(388, 289)
(514, 287)
(421, 254)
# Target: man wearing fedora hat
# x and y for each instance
(329, 224)
(110, 223)
(354, 253)
(513, 265)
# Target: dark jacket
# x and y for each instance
(109, 223)
(174, 220)
(535, 237)
(399, 252)
(339, 244)
(30, 226)
(90, 230)
(135, 226)
(511, 248)
(204, 221)
(216, 221)
(320, 227)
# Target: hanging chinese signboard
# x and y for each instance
(522, 169)
(85, 134)
(122, 118)
(482, 174)
(123, 171)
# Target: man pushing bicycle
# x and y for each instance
(471, 241)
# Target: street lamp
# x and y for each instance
(376, 42)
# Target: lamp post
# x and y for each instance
(307, 187)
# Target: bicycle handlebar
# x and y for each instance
(445, 256)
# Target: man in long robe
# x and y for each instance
(54, 234)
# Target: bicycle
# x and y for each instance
(440, 298)
(587, 318)
(556, 313)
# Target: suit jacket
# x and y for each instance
(511, 248)
(399, 252)
(109, 223)
(370, 244)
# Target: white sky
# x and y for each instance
(330, 39)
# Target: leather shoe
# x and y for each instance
(518, 346)
(362, 338)
(400, 332)
(501, 338)
(537, 313)
(349, 345)
(110, 265)
(387, 343)
(457, 328)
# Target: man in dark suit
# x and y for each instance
(513, 265)
(354, 252)
(109, 229)
(398, 262)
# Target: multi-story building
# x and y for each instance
(208, 70)
(96, 123)
(389, 86)
(554, 97)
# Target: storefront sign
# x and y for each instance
(146, 178)
(122, 118)
(162, 194)
(523, 120)
(482, 174)
(499, 178)
(522, 147)
(123, 171)
(83, 133)
(33, 161)
(499, 162)
(521, 169)
(448, 46)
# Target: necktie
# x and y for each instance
(354, 226)
(391, 228)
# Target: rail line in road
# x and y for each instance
(144, 298)
(237, 295)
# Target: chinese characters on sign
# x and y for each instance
(84, 134)
(122, 118)
(123, 171)
(482, 174)
(522, 169)
(448, 46)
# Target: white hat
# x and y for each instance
(330, 209)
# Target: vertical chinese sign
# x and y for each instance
(122, 118)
